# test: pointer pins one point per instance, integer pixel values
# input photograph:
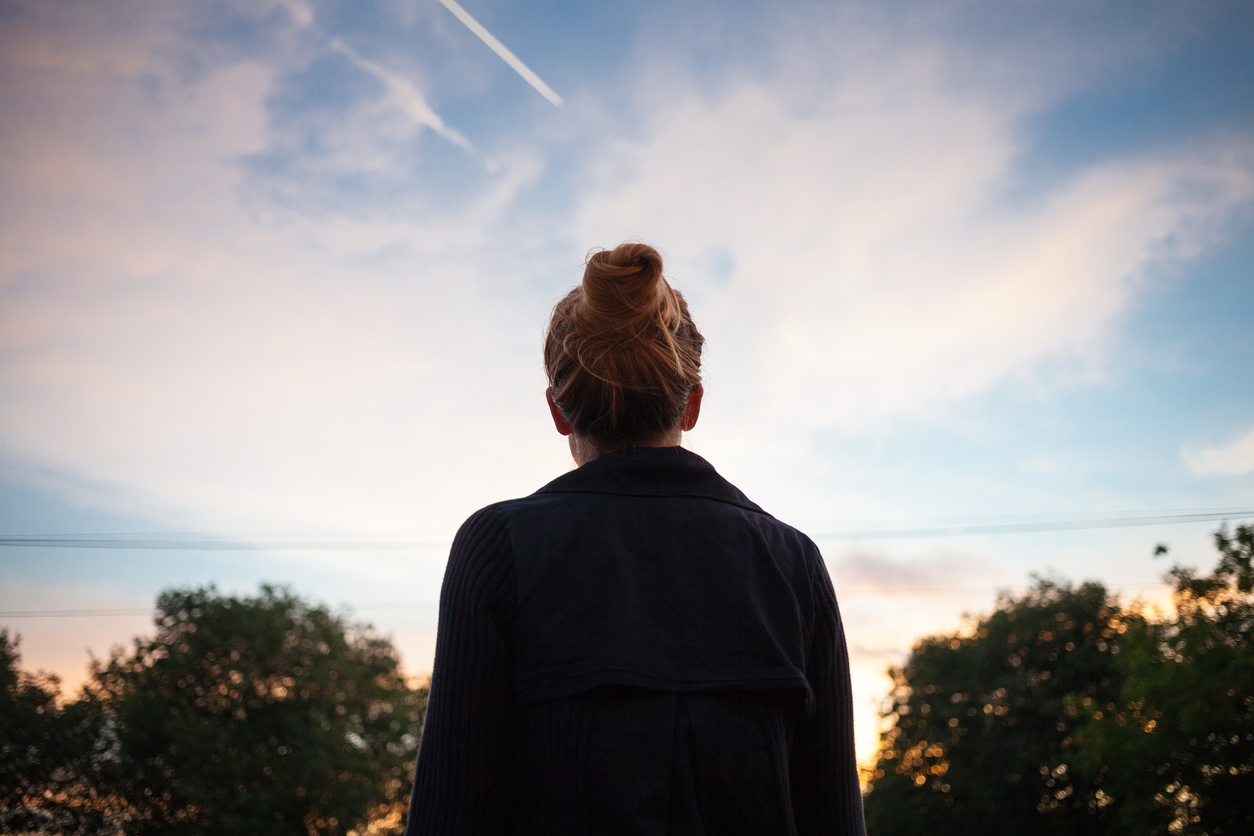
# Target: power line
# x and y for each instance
(129, 611)
(1036, 526)
(75, 613)
(181, 544)
(936, 591)
(223, 543)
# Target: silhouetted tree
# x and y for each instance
(49, 754)
(257, 715)
(1176, 745)
(978, 737)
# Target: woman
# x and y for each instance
(636, 647)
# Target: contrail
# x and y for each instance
(405, 96)
(499, 48)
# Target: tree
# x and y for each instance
(257, 715)
(978, 734)
(1177, 744)
(48, 754)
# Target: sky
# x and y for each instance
(279, 271)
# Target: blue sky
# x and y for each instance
(282, 269)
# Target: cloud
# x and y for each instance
(880, 572)
(212, 361)
(232, 360)
(888, 600)
(879, 269)
(299, 11)
(1229, 460)
(403, 95)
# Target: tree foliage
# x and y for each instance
(1062, 712)
(49, 754)
(1177, 745)
(257, 715)
(239, 716)
(978, 734)
(1058, 713)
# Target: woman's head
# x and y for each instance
(622, 354)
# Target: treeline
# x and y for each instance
(240, 716)
(1065, 712)
(1061, 712)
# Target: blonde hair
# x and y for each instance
(622, 353)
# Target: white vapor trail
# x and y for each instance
(405, 96)
(499, 48)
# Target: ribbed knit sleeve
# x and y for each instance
(824, 768)
(462, 782)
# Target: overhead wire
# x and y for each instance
(929, 591)
(209, 542)
(1040, 526)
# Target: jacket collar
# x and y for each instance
(650, 471)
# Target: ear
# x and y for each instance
(693, 410)
(559, 420)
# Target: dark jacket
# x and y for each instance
(637, 648)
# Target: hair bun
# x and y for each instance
(623, 289)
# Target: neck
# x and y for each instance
(583, 450)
